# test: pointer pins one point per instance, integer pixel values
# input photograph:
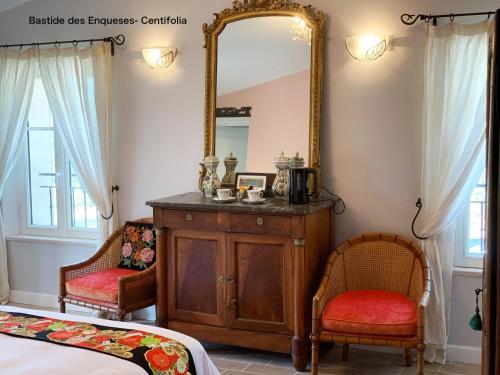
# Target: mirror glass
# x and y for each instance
(263, 63)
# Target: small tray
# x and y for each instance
(226, 200)
(260, 201)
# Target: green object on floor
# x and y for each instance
(476, 322)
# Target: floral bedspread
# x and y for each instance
(157, 355)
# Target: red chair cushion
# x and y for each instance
(371, 312)
(100, 286)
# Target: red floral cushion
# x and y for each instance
(100, 286)
(138, 246)
(371, 312)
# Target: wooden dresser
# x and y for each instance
(241, 274)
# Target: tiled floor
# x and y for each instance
(239, 361)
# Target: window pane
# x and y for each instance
(42, 178)
(477, 207)
(83, 209)
(40, 114)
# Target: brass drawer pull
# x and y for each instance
(230, 279)
(189, 217)
(231, 304)
(221, 278)
(260, 221)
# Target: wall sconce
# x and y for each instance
(159, 58)
(367, 47)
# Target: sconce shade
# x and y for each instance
(367, 47)
(159, 58)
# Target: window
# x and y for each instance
(477, 220)
(471, 229)
(56, 203)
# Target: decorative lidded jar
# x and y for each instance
(280, 184)
(297, 161)
(211, 182)
(230, 177)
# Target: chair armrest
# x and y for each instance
(318, 303)
(422, 305)
(137, 287)
(87, 262)
(320, 297)
(150, 272)
(424, 300)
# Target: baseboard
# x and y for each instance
(465, 354)
(41, 300)
(454, 353)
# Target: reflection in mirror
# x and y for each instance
(263, 63)
(232, 138)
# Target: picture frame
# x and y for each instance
(256, 181)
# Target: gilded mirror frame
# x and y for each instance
(262, 8)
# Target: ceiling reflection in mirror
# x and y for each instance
(263, 63)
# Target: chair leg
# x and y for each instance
(121, 315)
(408, 357)
(420, 360)
(62, 306)
(345, 352)
(314, 354)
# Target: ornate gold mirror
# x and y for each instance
(264, 71)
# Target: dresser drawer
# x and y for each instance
(255, 223)
(206, 221)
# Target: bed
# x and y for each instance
(19, 355)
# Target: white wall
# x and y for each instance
(371, 119)
(464, 343)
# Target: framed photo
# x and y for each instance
(257, 182)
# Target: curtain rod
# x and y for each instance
(410, 19)
(118, 40)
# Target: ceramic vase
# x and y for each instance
(229, 178)
(211, 182)
(280, 184)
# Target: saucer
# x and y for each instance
(224, 200)
(257, 201)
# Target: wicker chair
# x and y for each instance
(374, 262)
(135, 291)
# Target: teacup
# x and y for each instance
(254, 195)
(224, 193)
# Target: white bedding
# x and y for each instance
(27, 356)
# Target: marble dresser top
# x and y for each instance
(198, 202)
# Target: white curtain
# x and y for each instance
(16, 88)
(456, 59)
(78, 86)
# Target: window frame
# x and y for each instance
(63, 194)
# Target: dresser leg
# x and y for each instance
(300, 344)
(299, 353)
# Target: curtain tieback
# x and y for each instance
(419, 205)
(113, 189)
(476, 322)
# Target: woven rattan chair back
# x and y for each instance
(377, 261)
